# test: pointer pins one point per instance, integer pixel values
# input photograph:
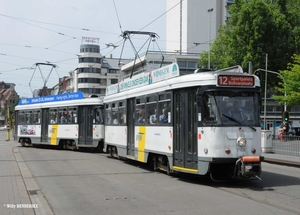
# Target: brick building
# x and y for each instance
(8, 98)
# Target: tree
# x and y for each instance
(255, 28)
(290, 84)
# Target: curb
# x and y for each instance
(282, 162)
(32, 188)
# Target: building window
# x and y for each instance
(113, 71)
(91, 90)
(89, 80)
(187, 66)
(89, 60)
(89, 70)
(114, 81)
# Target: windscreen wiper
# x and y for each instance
(237, 121)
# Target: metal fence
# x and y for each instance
(287, 145)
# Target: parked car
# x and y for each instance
(3, 128)
(294, 132)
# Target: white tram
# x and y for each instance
(67, 120)
(202, 123)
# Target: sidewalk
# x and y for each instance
(19, 193)
(287, 160)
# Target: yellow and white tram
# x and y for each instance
(201, 123)
(66, 120)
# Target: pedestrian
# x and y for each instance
(280, 132)
(286, 130)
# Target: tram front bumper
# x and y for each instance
(248, 166)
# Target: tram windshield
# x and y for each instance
(230, 108)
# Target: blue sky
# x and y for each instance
(39, 31)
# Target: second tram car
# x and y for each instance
(201, 123)
(67, 120)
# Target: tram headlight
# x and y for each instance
(241, 141)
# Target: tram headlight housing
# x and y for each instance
(241, 141)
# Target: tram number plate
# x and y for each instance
(241, 149)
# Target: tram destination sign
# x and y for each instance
(235, 80)
(51, 98)
(143, 79)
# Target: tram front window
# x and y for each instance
(230, 108)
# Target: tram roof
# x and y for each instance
(184, 81)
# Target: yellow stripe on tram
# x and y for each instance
(53, 138)
(184, 169)
(141, 143)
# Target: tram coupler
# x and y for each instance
(248, 166)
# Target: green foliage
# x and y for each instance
(255, 28)
(290, 83)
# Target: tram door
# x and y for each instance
(185, 129)
(130, 126)
(44, 125)
(85, 122)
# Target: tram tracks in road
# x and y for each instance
(284, 204)
(272, 194)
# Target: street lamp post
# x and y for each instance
(277, 73)
(209, 11)
(266, 81)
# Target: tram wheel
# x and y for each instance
(154, 164)
(23, 142)
(168, 168)
(110, 152)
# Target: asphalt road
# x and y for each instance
(90, 183)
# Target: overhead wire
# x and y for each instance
(26, 21)
(60, 33)
(161, 15)
(120, 26)
(118, 43)
(55, 24)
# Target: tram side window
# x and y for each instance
(36, 117)
(22, 118)
(152, 110)
(98, 113)
(108, 116)
(62, 116)
(72, 115)
(122, 113)
(29, 117)
(53, 116)
(115, 114)
(209, 116)
(164, 108)
(213, 109)
(140, 111)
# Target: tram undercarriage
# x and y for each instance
(161, 162)
(246, 167)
